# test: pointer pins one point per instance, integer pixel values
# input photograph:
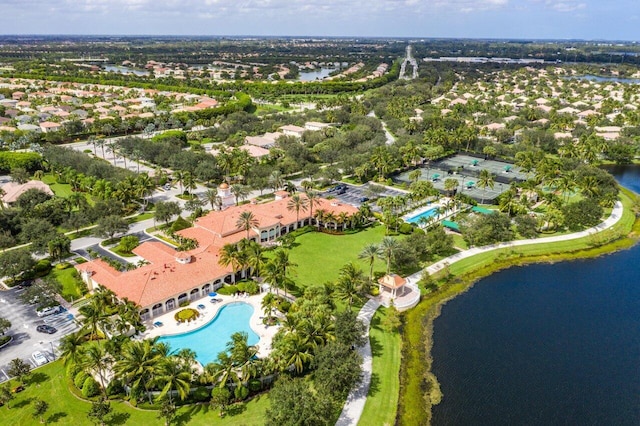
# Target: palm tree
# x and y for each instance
(178, 177)
(350, 283)
(414, 176)
(297, 352)
(172, 375)
(71, 348)
(241, 192)
(211, 196)
(246, 221)
(269, 303)
(222, 371)
(485, 179)
(388, 247)
(255, 257)
(273, 275)
(93, 316)
(139, 364)
(370, 252)
(230, 256)
(96, 360)
(282, 263)
(297, 203)
(314, 199)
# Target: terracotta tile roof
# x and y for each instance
(392, 281)
(13, 190)
(166, 277)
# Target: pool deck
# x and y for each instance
(172, 327)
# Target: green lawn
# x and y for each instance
(382, 400)
(50, 384)
(62, 190)
(320, 256)
(67, 277)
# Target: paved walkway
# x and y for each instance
(357, 398)
(616, 215)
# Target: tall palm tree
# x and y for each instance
(297, 203)
(269, 303)
(350, 283)
(221, 371)
(297, 352)
(71, 348)
(240, 192)
(370, 252)
(485, 179)
(96, 360)
(230, 256)
(93, 316)
(172, 375)
(139, 364)
(283, 264)
(313, 199)
(255, 257)
(388, 247)
(246, 221)
(212, 197)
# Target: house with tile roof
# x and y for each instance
(172, 277)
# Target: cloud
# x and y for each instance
(566, 6)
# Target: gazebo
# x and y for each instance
(392, 282)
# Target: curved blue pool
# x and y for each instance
(427, 214)
(211, 339)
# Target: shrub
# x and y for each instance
(186, 315)
(63, 265)
(184, 303)
(250, 287)
(42, 267)
(241, 392)
(284, 305)
(405, 228)
(201, 394)
(72, 370)
(115, 387)
(179, 224)
(90, 388)
(128, 243)
(254, 385)
(228, 290)
(79, 379)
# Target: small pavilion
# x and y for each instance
(392, 283)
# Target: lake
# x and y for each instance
(316, 74)
(545, 344)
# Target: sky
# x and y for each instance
(523, 19)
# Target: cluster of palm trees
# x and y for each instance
(248, 255)
(129, 189)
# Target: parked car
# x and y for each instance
(39, 358)
(341, 191)
(167, 187)
(48, 311)
(364, 199)
(46, 329)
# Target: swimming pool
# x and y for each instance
(212, 338)
(427, 214)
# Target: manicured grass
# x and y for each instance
(62, 190)
(67, 277)
(140, 217)
(49, 383)
(320, 256)
(382, 401)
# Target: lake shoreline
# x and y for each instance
(416, 371)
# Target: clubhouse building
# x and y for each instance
(171, 277)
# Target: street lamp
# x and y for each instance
(52, 351)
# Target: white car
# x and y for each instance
(39, 358)
(48, 311)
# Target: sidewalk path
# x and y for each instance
(354, 406)
(616, 215)
(357, 398)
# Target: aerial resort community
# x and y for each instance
(282, 231)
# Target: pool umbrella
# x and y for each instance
(213, 294)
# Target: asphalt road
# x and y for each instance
(26, 340)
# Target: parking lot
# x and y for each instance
(26, 339)
(356, 195)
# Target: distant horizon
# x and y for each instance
(320, 37)
(473, 19)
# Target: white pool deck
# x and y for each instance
(172, 327)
